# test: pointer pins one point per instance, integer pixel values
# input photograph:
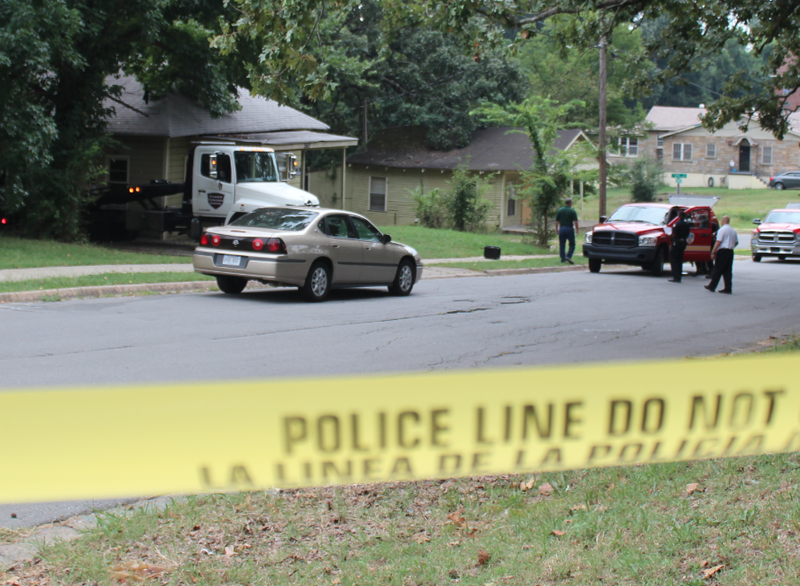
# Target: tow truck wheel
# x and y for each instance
(231, 285)
(658, 263)
(756, 258)
(594, 265)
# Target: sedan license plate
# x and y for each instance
(230, 260)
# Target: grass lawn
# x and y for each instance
(99, 280)
(432, 243)
(742, 205)
(22, 253)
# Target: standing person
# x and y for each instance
(732, 165)
(680, 234)
(722, 255)
(566, 227)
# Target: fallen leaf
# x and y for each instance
(456, 519)
(421, 538)
(711, 571)
(580, 507)
(690, 488)
(483, 557)
(523, 486)
(558, 532)
(336, 581)
(546, 489)
(229, 551)
(138, 571)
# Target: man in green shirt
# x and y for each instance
(567, 228)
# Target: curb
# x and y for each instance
(196, 286)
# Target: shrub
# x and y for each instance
(431, 207)
(645, 179)
(465, 204)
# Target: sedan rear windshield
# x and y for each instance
(644, 214)
(277, 219)
(783, 217)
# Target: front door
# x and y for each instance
(212, 197)
(744, 158)
(701, 235)
(380, 260)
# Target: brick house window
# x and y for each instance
(629, 147)
(681, 151)
(711, 151)
(766, 155)
(377, 194)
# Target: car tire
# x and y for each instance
(231, 285)
(756, 258)
(403, 280)
(594, 265)
(780, 186)
(658, 263)
(318, 283)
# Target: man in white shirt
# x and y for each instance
(722, 255)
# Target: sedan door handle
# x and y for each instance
(334, 246)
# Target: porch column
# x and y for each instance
(344, 170)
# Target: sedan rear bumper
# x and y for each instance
(258, 267)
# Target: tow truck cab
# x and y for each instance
(639, 234)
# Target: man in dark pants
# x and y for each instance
(722, 255)
(566, 218)
(680, 233)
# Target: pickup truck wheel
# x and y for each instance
(231, 285)
(658, 263)
(594, 265)
(318, 283)
(756, 258)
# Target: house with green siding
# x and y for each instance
(379, 180)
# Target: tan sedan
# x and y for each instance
(315, 249)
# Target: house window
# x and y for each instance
(711, 151)
(766, 155)
(629, 147)
(681, 151)
(118, 170)
(511, 209)
(377, 194)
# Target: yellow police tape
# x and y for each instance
(239, 435)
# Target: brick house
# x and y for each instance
(676, 137)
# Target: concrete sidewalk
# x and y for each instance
(14, 275)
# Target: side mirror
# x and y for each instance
(212, 166)
(603, 219)
(292, 167)
(757, 221)
(386, 239)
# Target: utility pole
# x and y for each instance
(602, 133)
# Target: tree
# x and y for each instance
(544, 186)
(423, 77)
(55, 57)
(566, 73)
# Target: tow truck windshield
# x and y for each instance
(645, 214)
(254, 167)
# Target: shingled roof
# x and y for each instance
(491, 149)
(176, 115)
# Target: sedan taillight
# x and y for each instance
(276, 245)
(215, 240)
(204, 239)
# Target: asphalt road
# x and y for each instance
(445, 323)
(459, 323)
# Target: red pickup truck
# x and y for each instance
(638, 234)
